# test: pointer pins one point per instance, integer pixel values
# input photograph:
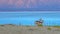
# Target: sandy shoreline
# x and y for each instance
(11, 29)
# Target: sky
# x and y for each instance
(30, 5)
(29, 18)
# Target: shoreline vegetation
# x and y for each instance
(14, 29)
(31, 26)
(26, 29)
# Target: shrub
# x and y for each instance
(1, 25)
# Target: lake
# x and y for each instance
(28, 18)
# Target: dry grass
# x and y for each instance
(56, 26)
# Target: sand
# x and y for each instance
(12, 29)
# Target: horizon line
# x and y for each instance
(29, 11)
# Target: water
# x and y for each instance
(29, 18)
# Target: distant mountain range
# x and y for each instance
(29, 5)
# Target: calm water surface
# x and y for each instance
(28, 18)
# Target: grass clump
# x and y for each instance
(49, 28)
(40, 25)
(56, 26)
(27, 26)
